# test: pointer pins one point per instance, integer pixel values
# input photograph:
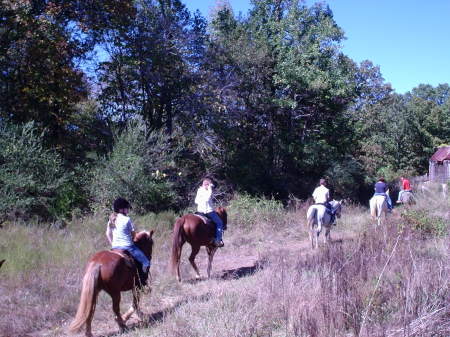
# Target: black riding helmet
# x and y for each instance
(120, 203)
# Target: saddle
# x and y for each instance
(129, 259)
(133, 264)
(204, 218)
(207, 220)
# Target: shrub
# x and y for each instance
(135, 169)
(421, 220)
(248, 211)
(31, 176)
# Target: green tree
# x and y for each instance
(31, 176)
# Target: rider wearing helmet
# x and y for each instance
(203, 199)
(120, 232)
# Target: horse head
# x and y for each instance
(221, 211)
(144, 240)
(337, 207)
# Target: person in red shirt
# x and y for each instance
(406, 187)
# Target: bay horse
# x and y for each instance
(317, 216)
(111, 271)
(378, 208)
(192, 229)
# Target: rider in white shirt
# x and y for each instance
(203, 199)
(120, 232)
(321, 196)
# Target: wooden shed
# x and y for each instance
(439, 169)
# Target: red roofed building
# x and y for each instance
(440, 165)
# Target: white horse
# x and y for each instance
(378, 208)
(407, 198)
(317, 216)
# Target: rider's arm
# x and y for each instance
(109, 233)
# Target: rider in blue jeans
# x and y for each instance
(120, 233)
(204, 205)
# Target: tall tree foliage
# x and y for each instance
(39, 80)
(152, 64)
(281, 86)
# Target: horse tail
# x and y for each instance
(373, 207)
(176, 243)
(311, 217)
(88, 297)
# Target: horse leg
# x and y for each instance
(311, 236)
(179, 261)
(194, 252)
(318, 230)
(211, 251)
(135, 306)
(326, 238)
(116, 309)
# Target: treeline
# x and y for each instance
(142, 98)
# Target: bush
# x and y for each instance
(422, 221)
(31, 176)
(248, 211)
(136, 170)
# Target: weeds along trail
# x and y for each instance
(267, 281)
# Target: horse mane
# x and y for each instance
(144, 241)
(222, 212)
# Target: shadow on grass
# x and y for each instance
(240, 272)
(158, 316)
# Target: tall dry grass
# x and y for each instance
(389, 281)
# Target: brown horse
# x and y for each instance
(191, 228)
(112, 272)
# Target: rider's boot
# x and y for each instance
(218, 243)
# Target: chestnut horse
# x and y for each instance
(112, 272)
(191, 228)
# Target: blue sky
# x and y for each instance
(408, 39)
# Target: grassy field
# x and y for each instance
(387, 281)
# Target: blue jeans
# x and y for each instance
(388, 199)
(219, 224)
(138, 255)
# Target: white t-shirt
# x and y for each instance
(121, 231)
(321, 194)
(203, 200)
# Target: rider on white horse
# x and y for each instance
(381, 188)
(321, 196)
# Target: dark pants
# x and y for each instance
(219, 224)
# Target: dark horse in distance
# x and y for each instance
(193, 229)
(113, 272)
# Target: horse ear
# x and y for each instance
(151, 233)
